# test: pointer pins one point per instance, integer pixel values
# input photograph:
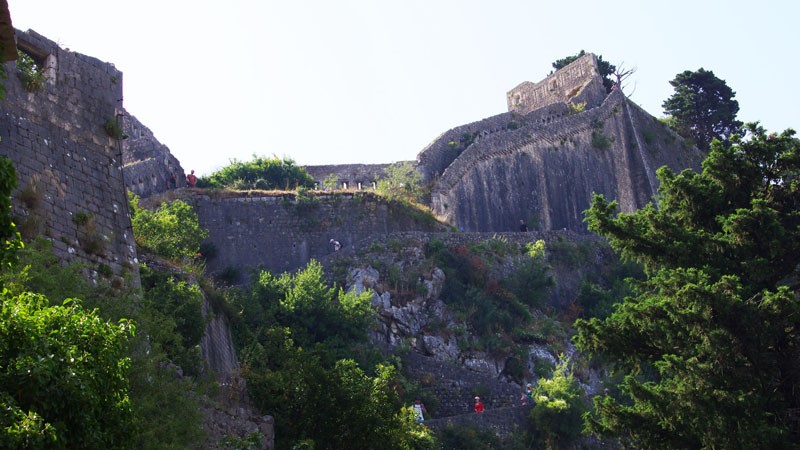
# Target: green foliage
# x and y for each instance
(598, 294)
(703, 107)
(331, 182)
(468, 437)
(558, 409)
(604, 68)
(10, 241)
(29, 72)
(63, 377)
(576, 108)
(402, 182)
(297, 336)
(171, 231)
(175, 319)
(708, 344)
(495, 308)
(600, 141)
(260, 173)
(112, 127)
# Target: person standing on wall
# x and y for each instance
(191, 179)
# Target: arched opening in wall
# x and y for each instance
(344, 185)
(316, 185)
(374, 185)
(359, 185)
(154, 180)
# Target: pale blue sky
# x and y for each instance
(360, 81)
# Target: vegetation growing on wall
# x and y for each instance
(260, 173)
(29, 72)
(402, 182)
(172, 231)
(496, 307)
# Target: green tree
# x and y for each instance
(171, 231)
(558, 408)
(331, 182)
(402, 182)
(604, 68)
(10, 241)
(259, 173)
(294, 332)
(709, 341)
(703, 107)
(63, 376)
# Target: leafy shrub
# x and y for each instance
(62, 376)
(558, 409)
(171, 231)
(29, 72)
(260, 173)
(112, 127)
(600, 141)
(174, 308)
(402, 182)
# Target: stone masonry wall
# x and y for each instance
(71, 186)
(281, 233)
(579, 77)
(547, 173)
(351, 176)
(147, 163)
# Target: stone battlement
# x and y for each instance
(575, 83)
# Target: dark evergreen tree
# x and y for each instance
(703, 107)
(710, 343)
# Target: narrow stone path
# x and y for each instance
(502, 421)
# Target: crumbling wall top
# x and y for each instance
(579, 81)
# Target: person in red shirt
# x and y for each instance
(478, 405)
(191, 179)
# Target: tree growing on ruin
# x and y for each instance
(605, 68)
(709, 341)
(703, 107)
(402, 182)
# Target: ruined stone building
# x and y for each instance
(563, 139)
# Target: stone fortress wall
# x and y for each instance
(147, 163)
(349, 176)
(70, 175)
(283, 233)
(546, 167)
(575, 83)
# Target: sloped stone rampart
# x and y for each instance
(71, 186)
(546, 173)
(148, 164)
